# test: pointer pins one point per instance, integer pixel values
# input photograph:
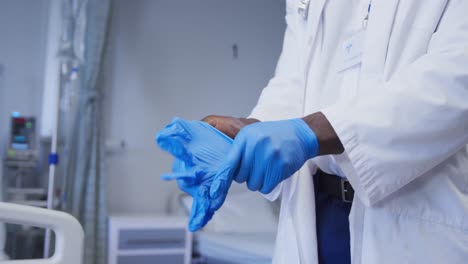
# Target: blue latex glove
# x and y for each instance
(194, 142)
(199, 150)
(263, 155)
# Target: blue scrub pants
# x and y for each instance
(332, 228)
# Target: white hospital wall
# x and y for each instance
(170, 58)
(23, 27)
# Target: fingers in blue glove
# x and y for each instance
(255, 183)
(223, 179)
(220, 188)
(188, 176)
(192, 175)
(220, 182)
(200, 214)
(173, 139)
(187, 141)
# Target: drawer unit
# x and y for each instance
(151, 259)
(149, 239)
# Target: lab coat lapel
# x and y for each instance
(378, 34)
(315, 14)
(313, 22)
(302, 193)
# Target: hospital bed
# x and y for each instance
(68, 232)
(235, 248)
(242, 232)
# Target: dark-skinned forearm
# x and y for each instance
(329, 143)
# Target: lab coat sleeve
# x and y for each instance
(283, 98)
(401, 129)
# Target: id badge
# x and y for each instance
(352, 50)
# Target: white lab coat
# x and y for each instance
(403, 120)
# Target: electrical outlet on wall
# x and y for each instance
(2, 73)
(2, 91)
(4, 125)
(235, 51)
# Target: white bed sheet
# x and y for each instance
(239, 248)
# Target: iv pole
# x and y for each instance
(51, 103)
(60, 55)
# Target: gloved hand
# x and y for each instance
(199, 150)
(264, 154)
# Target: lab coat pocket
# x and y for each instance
(414, 25)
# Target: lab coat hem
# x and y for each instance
(275, 194)
(256, 114)
(454, 227)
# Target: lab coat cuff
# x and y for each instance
(353, 162)
(258, 114)
(275, 194)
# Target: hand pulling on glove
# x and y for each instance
(263, 154)
(199, 150)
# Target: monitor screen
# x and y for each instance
(22, 133)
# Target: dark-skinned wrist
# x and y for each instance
(248, 121)
(329, 143)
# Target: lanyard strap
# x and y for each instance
(366, 19)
